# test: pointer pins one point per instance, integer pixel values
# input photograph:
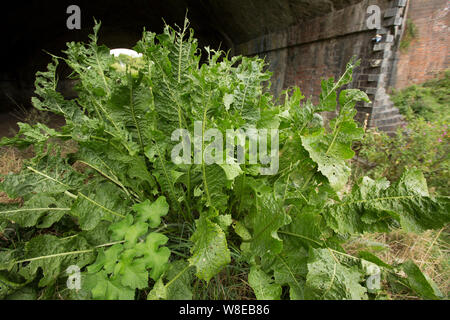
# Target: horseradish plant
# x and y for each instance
(138, 225)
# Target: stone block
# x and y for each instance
(379, 47)
(400, 3)
(394, 21)
(374, 77)
(392, 12)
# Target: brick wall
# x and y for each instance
(429, 53)
(320, 48)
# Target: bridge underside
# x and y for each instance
(303, 40)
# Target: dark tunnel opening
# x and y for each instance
(32, 29)
(302, 41)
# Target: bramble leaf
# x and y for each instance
(152, 212)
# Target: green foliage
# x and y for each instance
(123, 267)
(374, 206)
(429, 100)
(422, 143)
(409, 35)
(139, 225)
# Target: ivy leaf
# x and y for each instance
(210, 252)
(152, 212)
(131, 272)
(263, 285)
(327, 279)
(154, 256)
(104, 288)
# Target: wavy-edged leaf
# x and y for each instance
(265, 221)
(47, 174)
(328, 279)
(98, 201)
(290, 269)
(54, 255)
(377, 206)
(103, 288)
(210, 253)
(263, 285)
(152, 212)
(41, 210)
(420, 283)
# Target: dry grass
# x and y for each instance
(429, 250)
(10, 161)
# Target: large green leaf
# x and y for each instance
(328, 279)
(266, 220)
(376, 206)
(179, 276)
(331, 150)
(210, 253)
(290, 269)
(128, 264)
(41, 210)
(419, 282)
(97, 201)
(152, 212)
(263, 285)
(103, 288)
(54, 255)
(47, 174)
